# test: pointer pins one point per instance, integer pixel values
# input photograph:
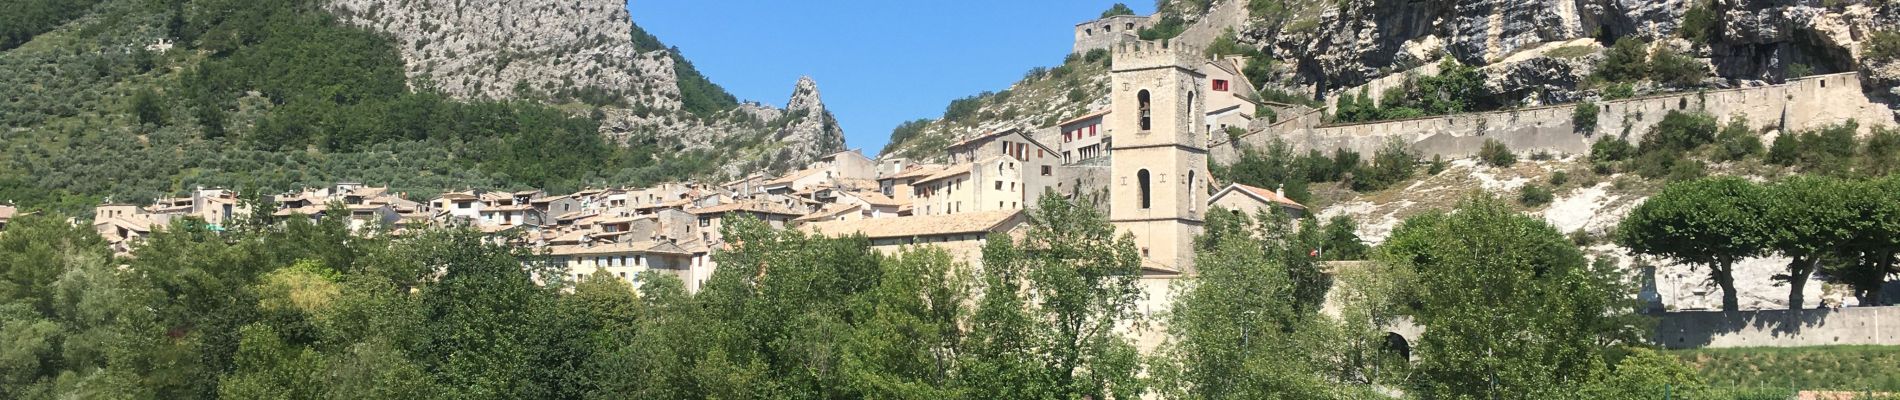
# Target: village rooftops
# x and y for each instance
(917, 226)
(645, 246)
(917, 171)
(829, 212)
(749, 206)
(1084, 117)
(958, 170)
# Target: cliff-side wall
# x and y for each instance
(1800, 104)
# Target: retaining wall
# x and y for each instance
(1779, 328)
(1800, 104)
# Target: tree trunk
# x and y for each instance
(1725, 278)
(1872, 297)
(1799, 270)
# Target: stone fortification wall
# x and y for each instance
(1779, 328)
(1800, 104)
(1220, 17)
(1105, 33)
(1377, 87)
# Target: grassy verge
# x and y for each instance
(1847, 368)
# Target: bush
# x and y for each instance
(1095, 55)
(1672, 68)
(1534, 195)
(1543, 155)
(1737, 141)
(1583, 118)
(1619, 91)
(1559, 178)
(1438, 165)
(145, 105)
(1680, 131)
(1701, 24)
(1118, 9)
(1393, 163)
(1625, 61)
(1882, 154)
(1496, 154)
(1611, 150)
(1169, 26)
(1786, 149)
(1882, 46)
(1829, 149)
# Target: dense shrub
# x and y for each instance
(1274, 167)
(1559, 178)
(1785, 150)
(1625, 61)
(1534, 195)
(1393, 163)
(1583, 118)
(145, 105)
(1680, 131)
(1167, 27)
(1882, 153)
(1737, 141)
(1672, 68)
(1882, 46)
(1496, 154)
(1455, 89)
(1437, 166)
(27, 18)
(1611, 150)
(1701, 24)
(1117, 9)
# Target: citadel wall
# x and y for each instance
(1800, 104)
(1779, 328)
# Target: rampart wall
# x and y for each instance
(1800, 104)
(1779, 328)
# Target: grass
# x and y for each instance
(1571, 52)
(1846, 368)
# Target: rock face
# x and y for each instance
(515, 48)
(587, 51)
(1754, 41)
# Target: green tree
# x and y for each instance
(1237, 311)
(1870, 255)
(1117, 9)
(1710, 222)
(1646, 374)
(1274, 167)
(145, 106)
(1625, 61)
(1881, 155)
(1737, 140)
(907, 345)
(485, 319)
(1522, 318)
(1341, 242)
(1063, 342)
(1809, 219)
(1583, 118)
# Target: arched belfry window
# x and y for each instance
(1141, 178)
(1193, 196)
(1142, 99)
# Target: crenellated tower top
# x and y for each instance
(1146, 54)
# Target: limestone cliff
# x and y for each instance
(590, 52)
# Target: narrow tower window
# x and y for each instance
(1141, 179)
(1142, 99)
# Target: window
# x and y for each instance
(463, 204)
(1141, 99)
(1046, 169)
(1192, 197)
(999, 185)
(1092, 130)
(1141, 180)
(1220, 85)
(1131, 26)
(1088, 32)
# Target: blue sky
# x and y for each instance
(877, 63)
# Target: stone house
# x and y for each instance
(1250, 201)
(1084, 137)
(962, 235)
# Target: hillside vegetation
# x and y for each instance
(272, 95)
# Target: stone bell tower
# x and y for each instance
(1159, 156)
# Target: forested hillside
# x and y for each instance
(134, 99)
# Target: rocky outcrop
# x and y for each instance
(520, 48)
(589, 51)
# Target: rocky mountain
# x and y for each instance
(590, 51)
(1531, 51)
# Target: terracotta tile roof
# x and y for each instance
(948, 172)
(458, 196)
(751, 206)
(877, 199)
(7, 212)
(1091, 114)
(828, 212)
(645, 246)
(1261, 194)
(918, 171)
(794, 176)
(517, 207)
(976, 222)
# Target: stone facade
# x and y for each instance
(1108, 32)
(1160, 156)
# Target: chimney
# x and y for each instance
(1280, 191)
